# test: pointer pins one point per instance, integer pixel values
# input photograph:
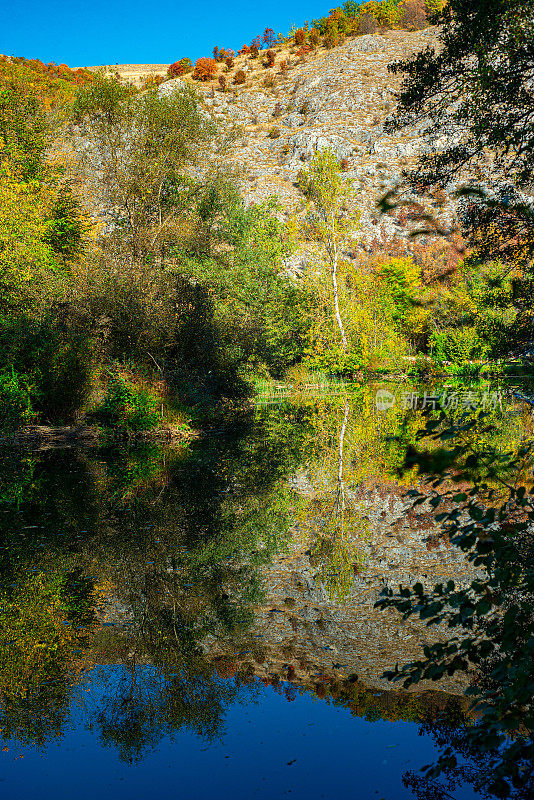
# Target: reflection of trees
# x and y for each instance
(44, 620)
(332, 518)
(175, 540)
(468, 764)
(142, 703)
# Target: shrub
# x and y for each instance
(187, 65)
(56, 353)
(314, 37)
(240, 77)
(344, 164)
(256, 44)
(268, 81)
(331, 40)
(153, 81)
(271, 58)
(413, 14)
(254, 50)
(128, 407)
(205, 69)
(366, 24)
(222, 83)
(245, 50)
(229, 61)
(274, 133)
(268, 37)
(299, 37)
(283, 66)
(434, 8)
(175, 70)
(181, 67)
(222, 54)
(15, 401)
(458, 345)
(302, 52)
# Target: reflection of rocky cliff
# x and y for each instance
(299, 626)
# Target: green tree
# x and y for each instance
(477, 84)
(150, 149)
(25, 255)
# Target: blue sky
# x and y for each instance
(85, 33)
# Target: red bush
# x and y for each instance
(179, 68)
(205, 69)
(175, 70)
(271, 58)
(222, 54)
(240, 77)
(268, 37)
(245, 50)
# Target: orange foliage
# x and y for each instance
(205, 69)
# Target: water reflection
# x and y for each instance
(148, 590)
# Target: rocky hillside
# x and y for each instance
(337, 98)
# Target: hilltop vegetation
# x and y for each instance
(54, 85)
(351, 19)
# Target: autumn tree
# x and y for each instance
(412, 14)
(268, 37)
(205, 69)
(327, 222)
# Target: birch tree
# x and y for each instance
(328, 223)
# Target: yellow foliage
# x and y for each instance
(24, 253)
(35, 637)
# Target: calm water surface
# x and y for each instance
(200, 621)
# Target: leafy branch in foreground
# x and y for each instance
(484, 501)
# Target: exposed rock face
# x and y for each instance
(339, 99)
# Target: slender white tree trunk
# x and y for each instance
(336, 303)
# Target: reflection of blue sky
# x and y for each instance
(336, 755)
